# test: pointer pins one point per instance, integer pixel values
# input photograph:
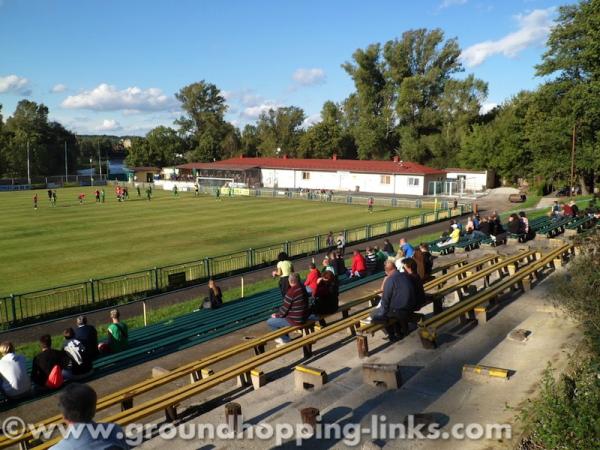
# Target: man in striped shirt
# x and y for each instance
(294, 310)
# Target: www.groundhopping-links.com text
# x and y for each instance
(351, 434)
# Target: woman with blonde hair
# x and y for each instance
(14, 380)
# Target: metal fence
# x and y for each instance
(35, 306)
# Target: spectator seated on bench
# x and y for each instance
(79, 363)
(453, 237)
(398, 301)
(359, 265)
(294, 310)
(118, 335)
(14, 379)
(371, 261)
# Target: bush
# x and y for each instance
(566, 415)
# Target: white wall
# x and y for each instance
(474, 181)
(342, 181)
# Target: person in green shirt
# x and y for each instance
(118, 333)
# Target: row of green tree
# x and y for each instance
(409, 100)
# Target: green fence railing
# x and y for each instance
(35, 306)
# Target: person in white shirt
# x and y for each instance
(14, 379)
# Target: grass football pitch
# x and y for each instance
(73, 242)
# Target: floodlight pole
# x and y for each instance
(572, 162)
(28, 171)
(99, 159)
(66, 166)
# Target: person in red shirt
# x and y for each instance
(359, 265)
(311, 279)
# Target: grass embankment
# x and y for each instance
(71, 243)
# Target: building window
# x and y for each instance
(306, 175)
(413, 181)
(386, 179)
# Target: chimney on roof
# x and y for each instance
(334, 156)
(396, 159)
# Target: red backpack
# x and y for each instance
(55, 379)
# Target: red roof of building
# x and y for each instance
(328, 165)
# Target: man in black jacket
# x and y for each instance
(45, 361)
(88, 336)
(398, 300)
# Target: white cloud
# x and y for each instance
(487, 107)
(14, 84)
(309, 77)
(253, 112)
(58, 88)
(109, 125)
(106, 97)
(533, 30)
(449, 3)
(246, 97)
(311, 120)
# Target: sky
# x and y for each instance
(113, 66)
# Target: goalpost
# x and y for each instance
(209, 184)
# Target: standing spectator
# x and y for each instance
(283, 270)
(118, 335)
(398, 300)
(79, 362)
(294, 310)
(35, 201)
(14, 380)
(406, 248)
(341, 244)
(326, 295)
(330, 242)
(77, 404)
(311, 279)
(370, 204)
(215, 296)
(529, 234)
(338, 264)
(88, 336)
(48, 362)
(359, 265)
(370, 261)
(388, 247)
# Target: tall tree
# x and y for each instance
(249, 140)
(280, 128)
(327, 137)
(573, 59)
(160, 148)
(373, 131)
(203, 122)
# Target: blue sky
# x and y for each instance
(113, 66)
